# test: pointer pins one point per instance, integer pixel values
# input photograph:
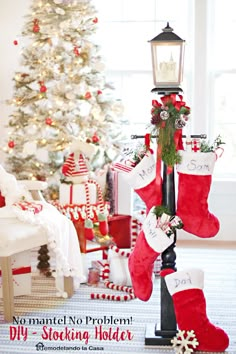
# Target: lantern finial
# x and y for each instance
(167, 28)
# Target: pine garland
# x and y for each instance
(167, 117)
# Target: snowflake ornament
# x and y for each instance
(184, 342)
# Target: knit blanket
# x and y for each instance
(61, 234)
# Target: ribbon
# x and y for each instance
(29, 206)
(20, 270)
(178, 146)
(158, 175)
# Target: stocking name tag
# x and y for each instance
(185, 280)
(156, 238)
(143, 173)
(201, 164)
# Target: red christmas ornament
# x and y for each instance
(87, 95)
(95, 20)
(11, 144)
(48, 121)
(36, 27)
(99, 92)
(76, 51)
(15, 42)
(43, 88)
(95, 139)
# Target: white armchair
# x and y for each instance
(22, 230)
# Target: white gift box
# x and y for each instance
(21, 270)
(75, 193)
(119, 269)
(123, 195)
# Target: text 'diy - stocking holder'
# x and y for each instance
(162, 332)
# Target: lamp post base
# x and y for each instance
(154, 336)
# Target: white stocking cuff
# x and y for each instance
(143, 173)
(197, 163)
(155, 237)
(185, 280)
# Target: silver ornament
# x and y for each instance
(179, 123)
(164, 115)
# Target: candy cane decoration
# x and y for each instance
(135, 229)
(99, 194)
(106, 272)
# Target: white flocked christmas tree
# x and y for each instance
(60, 92)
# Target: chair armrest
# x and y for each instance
(34, 185)
(35, 188)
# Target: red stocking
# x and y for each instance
(150, 243)
(143, 180)
(185, 288)
(195, 175)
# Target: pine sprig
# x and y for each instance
(208, 147)
(161, 209)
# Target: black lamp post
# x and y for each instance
(167, 50)
(167, 61)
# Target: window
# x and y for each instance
(222, 78)
(125, 26)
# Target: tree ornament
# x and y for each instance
(15, 42)
(95, 139)
(164, 115)
(48, 121)
(95, 20)
(36, 27)
(76, 51)
(87, 96)
(99, 92)
(43, 88)
(11, 144)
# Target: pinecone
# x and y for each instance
(156, 119)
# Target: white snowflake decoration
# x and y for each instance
(184, 342)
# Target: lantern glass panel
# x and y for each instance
(167, 63)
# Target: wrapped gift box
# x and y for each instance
(75, 193)
(119, 269)
(120, 230)
(123, 195)
(21, 270)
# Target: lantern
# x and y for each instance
(167, 60)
